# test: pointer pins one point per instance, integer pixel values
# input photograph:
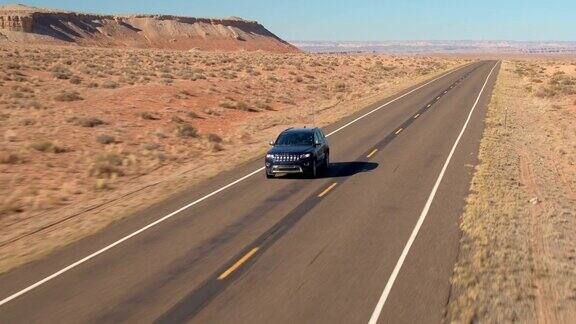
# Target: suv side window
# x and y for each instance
(322, 135)
(317, 138)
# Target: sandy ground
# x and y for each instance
(517, 260)
(91, 135)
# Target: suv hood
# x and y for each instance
(299, 149)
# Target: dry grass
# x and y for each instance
(518, 251)
(123, 119)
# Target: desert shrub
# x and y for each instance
(75, 80)
(109, 84)
(187, 131)
(217, 147)
(47, 147)
(227, 105)
(107, 165)
(68, 96)
(192, 114)
(241, 105)
(10, 158)
(61, 73)
(86, 121)
(211, 112)
(18, 95)
(262, 105)
(13, 66)
(151, 146)
(28, 122)
(214, 138)
(148, 116)
(545, 92)
(340, 87)
(177, 119)
(105, 139)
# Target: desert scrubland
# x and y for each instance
(90, 135)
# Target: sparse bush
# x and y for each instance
(105, 139)
(187, 131)
(192, 114)
(340, 87)
(214, 138)
(62, 73)
(67, 96)
(47, 147)
(217, 147)
(28, 122)
(151, 146)
(211, 112)
(75, 80)
(107, 165)
(10, 158)
(148, 116)
(227, 105)
(177, 119)
(262, 105)
(108, 84)
(13, 66)
(86, 121)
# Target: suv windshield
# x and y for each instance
(295, 138)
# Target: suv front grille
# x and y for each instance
(286, 157)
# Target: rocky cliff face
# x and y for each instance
(26, 24)
(16, 22)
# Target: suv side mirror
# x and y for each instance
(271, 143)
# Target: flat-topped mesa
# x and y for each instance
(16, 22)
(49, 26)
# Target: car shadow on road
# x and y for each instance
(339, 170)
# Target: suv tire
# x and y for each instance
(313, 170)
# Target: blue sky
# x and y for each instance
(368, 19)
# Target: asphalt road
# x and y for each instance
(374, 239)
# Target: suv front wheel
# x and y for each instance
(313, 172)
(326, 164)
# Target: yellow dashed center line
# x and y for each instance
(416, 116)
(398, 131)
(372, 153)
(327, 190)
(238, 263)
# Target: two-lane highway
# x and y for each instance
(373, 239)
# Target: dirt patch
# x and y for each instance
(89, 135)
(518, 251)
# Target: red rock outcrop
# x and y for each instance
(141, 31)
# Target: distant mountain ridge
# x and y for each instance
(19, 23)
(439, 46)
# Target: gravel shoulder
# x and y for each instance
(517, 259)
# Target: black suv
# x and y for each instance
(298, 150)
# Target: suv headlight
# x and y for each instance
(305, 156)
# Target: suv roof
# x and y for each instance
(299, 129)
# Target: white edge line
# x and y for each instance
(390, 283)
(160, 220)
